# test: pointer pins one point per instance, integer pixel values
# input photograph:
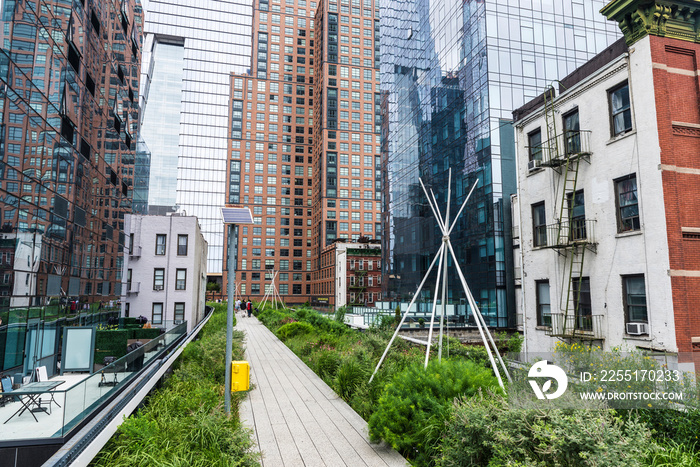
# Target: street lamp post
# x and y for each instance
(232, 216)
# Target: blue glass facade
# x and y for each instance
(452, 72)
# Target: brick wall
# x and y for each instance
(677, 87)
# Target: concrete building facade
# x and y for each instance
(164, 275)
(608, 189)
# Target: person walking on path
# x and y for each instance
(250, 308)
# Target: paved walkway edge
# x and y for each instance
(298, 420)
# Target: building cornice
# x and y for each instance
(677, 19)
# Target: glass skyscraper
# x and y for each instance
(69, 77)
(190, 50)
(452, 72)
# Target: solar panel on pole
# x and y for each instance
(231, 216)
(236, 215)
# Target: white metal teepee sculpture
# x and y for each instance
(272, 294)
(441, 258)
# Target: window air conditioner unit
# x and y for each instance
(637, 329)
(534, 165)
(157, 287)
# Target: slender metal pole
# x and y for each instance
(229, 319)
(482, 328)
(432, 314)
(430, 203)
(406, 314)
(462, 208)
(444, 271)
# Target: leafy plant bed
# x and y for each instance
(454, 414)
(184, 422)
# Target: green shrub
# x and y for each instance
(672, 454)
(140, 333)
(327, 363)
(412, 410)
(340, 314)
(110, 344)
(294, 329)
(184, 423)
(489, 430)
(350, 376)
(669, 425)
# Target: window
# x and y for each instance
(572, 134)
(544, 316)
(635, 299)
(158, 279)
(539, 226)
(180, 279)
(157, 313)
(627, 203)
(577, 216)
(182, 245)
(179, 312)
(620, 112)
(160, 244)
(581, 288)
(535, 145)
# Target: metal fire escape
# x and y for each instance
(571, 234)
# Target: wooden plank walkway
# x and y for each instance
(297, 418)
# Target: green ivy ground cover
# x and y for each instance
(184, 422)
(454, 414)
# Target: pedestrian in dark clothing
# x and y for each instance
(250, 308)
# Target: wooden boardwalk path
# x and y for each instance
(297, 418)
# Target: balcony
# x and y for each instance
(133, 287)
(586, 327)
(135, 252)
(566, 234)
(564, 147)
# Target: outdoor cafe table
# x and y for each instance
(32, 402)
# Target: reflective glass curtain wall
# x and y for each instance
(160, 128)
(452, 72)
(68, 111)
(216, 37)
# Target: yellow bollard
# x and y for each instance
(240, 376)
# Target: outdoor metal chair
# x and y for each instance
(6, 389)
(42, 376)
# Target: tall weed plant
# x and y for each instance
(184, 422)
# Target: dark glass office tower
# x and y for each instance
(69, 76)
(451, 73)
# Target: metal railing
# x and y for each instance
(74, 404)
(564, 146)
(566, 234)
(582, 326)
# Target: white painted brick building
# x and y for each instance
(164, 276)
(596, 268)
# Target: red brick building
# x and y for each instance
(350, 274)
(304, 146)
(671, 27)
